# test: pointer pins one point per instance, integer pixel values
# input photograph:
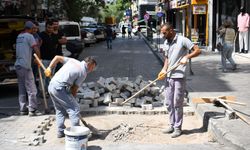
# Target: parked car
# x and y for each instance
(87, 36)
(99, 31)
(99, 34)
(10, 27)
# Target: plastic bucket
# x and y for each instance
(76, 138)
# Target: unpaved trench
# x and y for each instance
(146, 129)
(143, 129)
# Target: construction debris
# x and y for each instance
(113, 92)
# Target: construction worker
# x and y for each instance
(176, 51)
(64, 86)
(25, 43)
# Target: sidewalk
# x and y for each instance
(208, 80)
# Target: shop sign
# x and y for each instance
(199, 9)
(159, 14)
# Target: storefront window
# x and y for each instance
(230, 10)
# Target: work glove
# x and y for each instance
(162, 74)
(184, 60)
(47, 72)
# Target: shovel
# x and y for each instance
(43, 90)
(170, 69)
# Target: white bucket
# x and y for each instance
(76, 138)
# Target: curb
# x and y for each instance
(106, 110)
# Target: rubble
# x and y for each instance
(112, 92)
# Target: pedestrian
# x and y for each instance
(48, 48)
(64, 86)
(243, 25)
(177, 51)
(25, 43)
(109, 36)
(129, 31)
(227, 36)
(60, 38)
(123, 31)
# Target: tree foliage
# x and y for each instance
(75, 9)
(115, 9)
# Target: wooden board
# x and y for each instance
(211, 99)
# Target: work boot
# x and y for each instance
(60, 135)
(35, 113)
(234, 67)
(176, 133)
(168, 130)
(23, 113)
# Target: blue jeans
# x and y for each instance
(175, 89)
(64, 103)
(226, 54)
(109, 42)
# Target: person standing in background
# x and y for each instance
(60, 38)
(48, 48)
(243, 25)
(25, 44)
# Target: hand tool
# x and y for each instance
(43, 91)
(170, 69)
(236, 113)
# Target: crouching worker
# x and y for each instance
(64, 86)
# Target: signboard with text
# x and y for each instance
(199, 9)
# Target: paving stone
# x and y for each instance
(89, 95)
(84, 106)
(107, 98)
(101, 82)
(139, 102)
(91, 85)
(130, 89)
(111, 80)
(95, 103)
(157, 104)
(119, 100)
(101, 90)
(154, 90)
(147, 106)
(138, 80)
(86, 101)
(148, 99)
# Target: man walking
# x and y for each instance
(109, 34)
(63, 88)
(25, 43)
(176, 51)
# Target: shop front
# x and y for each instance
(190, 18)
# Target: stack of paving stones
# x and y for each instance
(113, 92)
(40, 131)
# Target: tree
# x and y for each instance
(116, 9)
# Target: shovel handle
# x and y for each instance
(172, 68)
(39, 62)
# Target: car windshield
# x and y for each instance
(69, 30)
